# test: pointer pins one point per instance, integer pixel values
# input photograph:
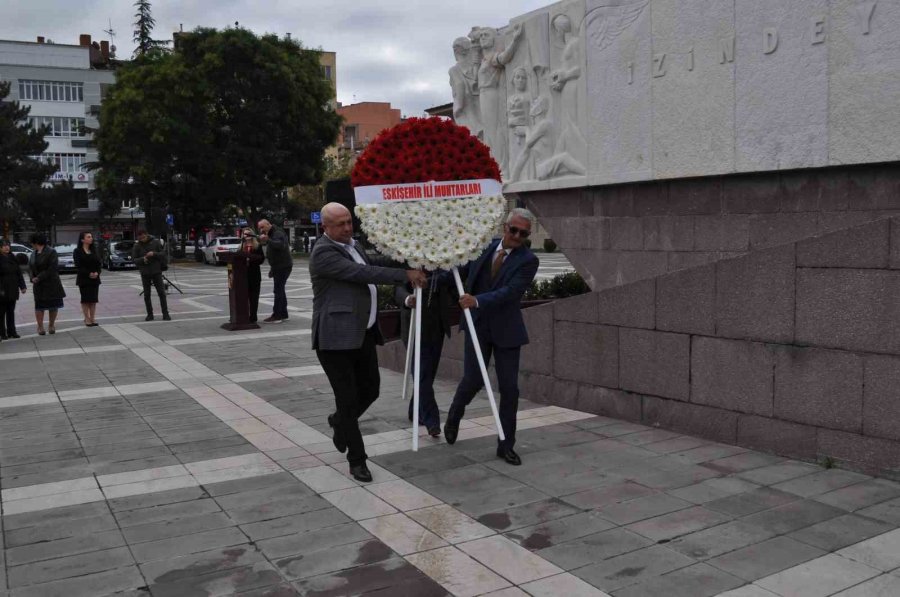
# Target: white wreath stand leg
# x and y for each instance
(475, 344)
(414, 347)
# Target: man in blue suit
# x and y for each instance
(495, 283)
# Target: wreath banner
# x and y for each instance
(424, 191)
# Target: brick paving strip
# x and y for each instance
(600, 506)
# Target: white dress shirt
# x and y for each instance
(373, 308)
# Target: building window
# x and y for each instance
(70, 163)
(51, 91)
(81, 198)
(59, 126)
(326, 72)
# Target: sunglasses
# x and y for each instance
(522, 232)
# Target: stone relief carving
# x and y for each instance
(567, 84)
(492, 91)
(464, 84)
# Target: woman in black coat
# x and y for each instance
(12, 283)
(252, 247)
(88, 263)
(46, 285)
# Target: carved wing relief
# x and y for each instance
(608, 21)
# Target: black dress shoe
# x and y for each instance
(14, 336)
(434, 431)
(361, 472)
(339, 443)
(509, 455)
(166, 317)
(149, 317)
(451, 431)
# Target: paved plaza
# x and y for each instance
(174, 458)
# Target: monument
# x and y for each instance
(725, 174)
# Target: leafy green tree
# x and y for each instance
(303, 199)
(18, 143)
(226, 122)
(47, 206)
(143, 29)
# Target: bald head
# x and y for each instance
(264, 226)
(338, 223)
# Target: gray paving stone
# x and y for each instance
(47, 550)
(394, 576)
(821, 482)
(285, 480)
(779, 473)
(203, 541)
(699, 580)
(278, 508)
(333, 559)
(560, 530)
(176, 527)
(643, 508)
(840, 532)
(743, 462)
(176, 569)
(222, 582)
(720, 539)
(54, 515)
(297, 523)
(632, 568)
(675, 524)
(67, 567)
(87, 585)
(594, 548)
(793, 516)
(605, 496)
(159, 498)
(752, 502)
(861, 495)
(526, 515)
(303, 543)
(887, 511)
(762, 559)
(62, 529)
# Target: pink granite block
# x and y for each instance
(631, 305)
(819, 387)
(655, 363)
(866, 246)
(755, 296)
(732, 374)
(694, 419)
(779, 437)
(685, 301)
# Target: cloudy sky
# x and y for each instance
(387, 50)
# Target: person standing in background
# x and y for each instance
(12, 284)
(47, 287)
(255, 257)
(148, 254)
(278, 252)
(87, 261)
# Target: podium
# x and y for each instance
(238, 296)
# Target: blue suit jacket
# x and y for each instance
(499, 313)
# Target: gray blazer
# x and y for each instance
(341, 298)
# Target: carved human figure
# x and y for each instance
(539, 150)
(517, 104)
(489, 77)
(564, 81)
(464, 85)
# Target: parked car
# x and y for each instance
(21, 252)
(220, 246)
(118, 256)
(66, 256)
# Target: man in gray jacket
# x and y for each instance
(345, 327)
(149, 256)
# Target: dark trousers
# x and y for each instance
(355, 381)
(429, 415)
(253, 287)
(157, 281)
(507, 366)
(279, 278)
(7, 318)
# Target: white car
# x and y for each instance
(220, 246)
(21, 252)
(66, 257)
